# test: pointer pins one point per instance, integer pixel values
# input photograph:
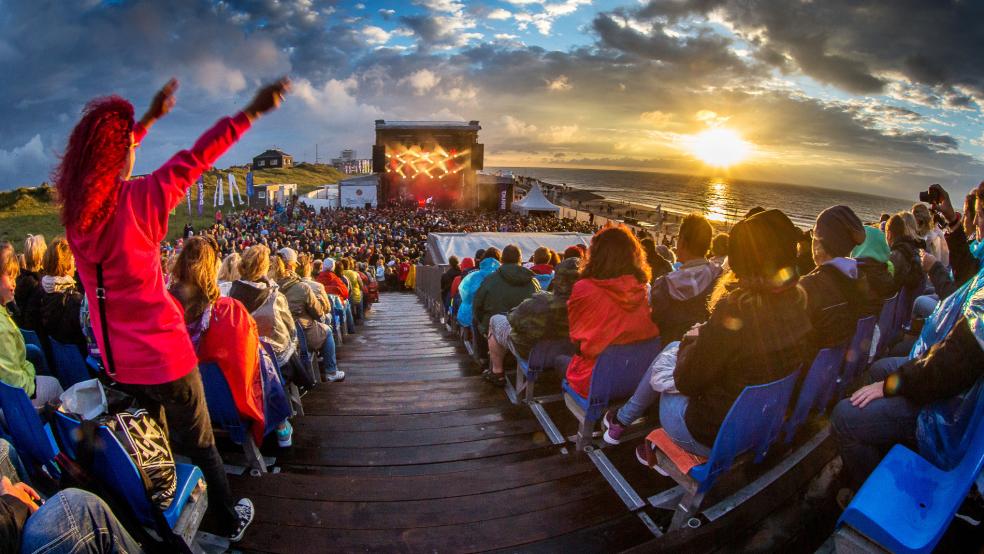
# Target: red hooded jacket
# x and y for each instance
(602, 312)
(333, 284)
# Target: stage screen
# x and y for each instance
(426, 174)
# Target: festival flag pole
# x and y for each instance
(188, 195)
(201, 194)
(249, 188)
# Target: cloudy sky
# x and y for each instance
(883, 96)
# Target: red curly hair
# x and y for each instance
(88, 177)
(615, 251)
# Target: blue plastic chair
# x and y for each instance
(855, 358)
(907, 503)
(32, 438)
(542, 358)
(544, 280)
(291, 388)
(37, 358)
(224, 414)
(30, 337)
(302, 348)
(752, 425)
(814, 394)
(888, 333)
(616, 375)
(70, 366)
(117, 471)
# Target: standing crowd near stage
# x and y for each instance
(266, 295)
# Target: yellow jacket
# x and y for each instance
(15, 370)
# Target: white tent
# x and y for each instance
(535, 201)
(441, 246)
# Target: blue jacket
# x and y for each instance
(469, 286)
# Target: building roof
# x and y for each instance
(451, 125)
(275, 153)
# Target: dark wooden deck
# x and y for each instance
(414, 452)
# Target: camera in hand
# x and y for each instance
(931, 196)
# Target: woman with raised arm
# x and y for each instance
(114, 225)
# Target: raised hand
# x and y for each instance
(162, 103)
(943, 205)
(267, 98)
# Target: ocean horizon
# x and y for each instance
(721, 199)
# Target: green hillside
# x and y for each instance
(33, 210)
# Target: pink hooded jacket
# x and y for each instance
(147, 333)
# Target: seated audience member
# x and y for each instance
(541, 261)
(679, 299)
(883, 413)
(304, 305)
(575, 251)
(804, 260)
(959, 230)
(905, 258)
(471, 283)
(759, 331)
(608, 303)
(719, 250)
(658, 265)
(930, 233)
(355, 287)
(305, 269)
(542, 316)
(73, 520)
(836, 292)
(28, 296)
(873, 257)
(666, 252)
(331, 281)
(15, 370)
(448, 277)
(228, 272)
(264, 301)
(222, 332)
(62, 299)
(467, 265)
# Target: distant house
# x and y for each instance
(273, 158)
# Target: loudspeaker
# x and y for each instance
(478, 156)
(378, 158)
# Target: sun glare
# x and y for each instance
(720, 147)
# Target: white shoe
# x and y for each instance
(337, 376)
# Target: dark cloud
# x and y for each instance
(852, 44)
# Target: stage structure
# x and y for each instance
(428, 162)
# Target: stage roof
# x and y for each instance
(428, 125)
(441, 246)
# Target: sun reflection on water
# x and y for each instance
(717, 201)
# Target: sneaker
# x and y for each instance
(285, 435)
(641, 452)
(339, 375)
(244, 513)
(497, 379)
(613, 428)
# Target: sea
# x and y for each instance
(721, 199)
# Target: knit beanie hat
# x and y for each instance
(565, 274)
(764, 246)
(467, 263)
(875, 246)
(839, 230)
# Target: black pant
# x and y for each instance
(180, 408)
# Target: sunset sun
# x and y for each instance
(720, 147)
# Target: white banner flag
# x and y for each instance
(233, 185)
(232, 199)
(218, 185)
(215, 194)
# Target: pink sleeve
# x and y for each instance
(165, 188)
(139, 132)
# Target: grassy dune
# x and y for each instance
(34, 210)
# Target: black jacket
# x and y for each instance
(835, 302)
(879, 283)
(502, 291)
(28, 300)
(909, 273)
(746, 341)
(60, 316)
(679, 299)
(446, 279)
(948, 368)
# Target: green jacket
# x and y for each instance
(502, 291)
(15, 370)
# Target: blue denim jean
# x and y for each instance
(643, 397)
(328, 354)
(864, 435)
(672, 408)
(349, 317)
(924, 305)
(75, 521)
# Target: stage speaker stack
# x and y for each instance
(478, 156)
(378, 158)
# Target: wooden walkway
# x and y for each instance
(414, 452)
